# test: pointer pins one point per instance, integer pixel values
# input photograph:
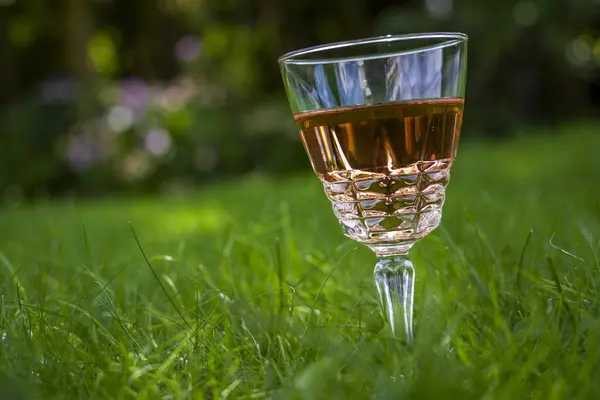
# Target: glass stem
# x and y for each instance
(394, 277)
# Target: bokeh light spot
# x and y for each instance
(579, 51)
(188, 48)
(102, 53)
(158, 142)
(120, 118)
(525, 13)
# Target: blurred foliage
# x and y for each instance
(102, 96)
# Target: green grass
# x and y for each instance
(254, 292)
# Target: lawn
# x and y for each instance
(250, 290)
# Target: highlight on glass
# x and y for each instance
(380, 120)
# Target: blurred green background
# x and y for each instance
(99, 97)
(248, 289)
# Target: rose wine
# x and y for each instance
(385, 167)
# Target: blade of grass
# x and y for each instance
(156, 277)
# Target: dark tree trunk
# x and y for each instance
(8, 68)
(77, 35)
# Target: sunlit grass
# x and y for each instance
(252, 292)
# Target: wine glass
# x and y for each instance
(380, 120)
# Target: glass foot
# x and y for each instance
(394, 277)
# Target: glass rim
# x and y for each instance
(453, 38)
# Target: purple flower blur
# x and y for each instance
(188, 48)
(135, 93)
(81, 153)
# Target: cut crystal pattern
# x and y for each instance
(399, 206)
